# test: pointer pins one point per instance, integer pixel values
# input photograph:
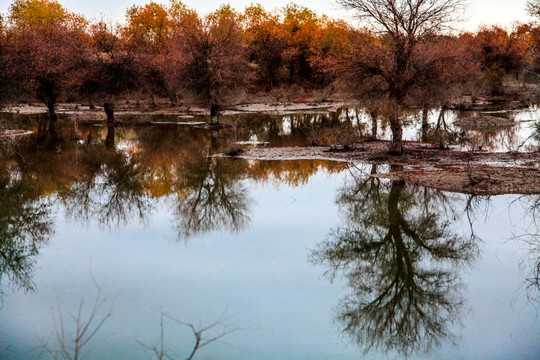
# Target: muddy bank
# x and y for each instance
(423, 164)
(14, 133)
(484, 122)
(480, 180)
(84, 112)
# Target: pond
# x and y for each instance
(302, 259)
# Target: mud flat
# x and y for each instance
(424, 164)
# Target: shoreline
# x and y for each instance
(481, 173)
(422, 163)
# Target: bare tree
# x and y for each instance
(396, 63)
(413, 19)
(533, 8)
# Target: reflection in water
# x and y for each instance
(114, 176)
(292, 173)
(531, 264)
(110, 192)
(109, 140)
(535, 136)
(400, 259)
(212, 197)
(529, 238)
(397, 249)
(24, 226)
(109, 189)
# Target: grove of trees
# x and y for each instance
(406, 55)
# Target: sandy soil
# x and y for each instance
(484, 122)
(183, 112)
(14, 133)
(424, 164)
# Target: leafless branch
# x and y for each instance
(410, 18)
(203, 336)
(69, 346)
(200, 333)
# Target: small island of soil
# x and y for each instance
(481, 173)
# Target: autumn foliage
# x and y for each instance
(48, 44)
(170, 51)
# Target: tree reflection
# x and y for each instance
(400, 260)
(110, 190)
(529, 237)
(210, 195)
(24, 226)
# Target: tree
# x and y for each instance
(147, 26)
(8, 76)
(148, 31)
(498, 53)
(111, 68)
(332, 38)
(301, 27)
(210, 56)
(266, 42)
(533, 8)
(387, 63)
(49, 44)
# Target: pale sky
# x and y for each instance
(501, 12)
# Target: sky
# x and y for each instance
(500, 12)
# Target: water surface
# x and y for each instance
(299, 259)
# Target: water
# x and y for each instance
(295, 260)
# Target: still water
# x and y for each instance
(286, 260)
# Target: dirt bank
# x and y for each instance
(424, 164)
(83, 112)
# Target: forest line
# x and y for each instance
(50, 54)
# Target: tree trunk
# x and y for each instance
(441, 128)
(214, 114)
(109, 140)
(51, 132)
(172, 98)
(373, 115)
(109, 111)
(291, 74)
(45, 92)
(52, 112)
(396, 147)
(425, 125)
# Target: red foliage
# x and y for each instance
(208, 55)
(48, 46)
